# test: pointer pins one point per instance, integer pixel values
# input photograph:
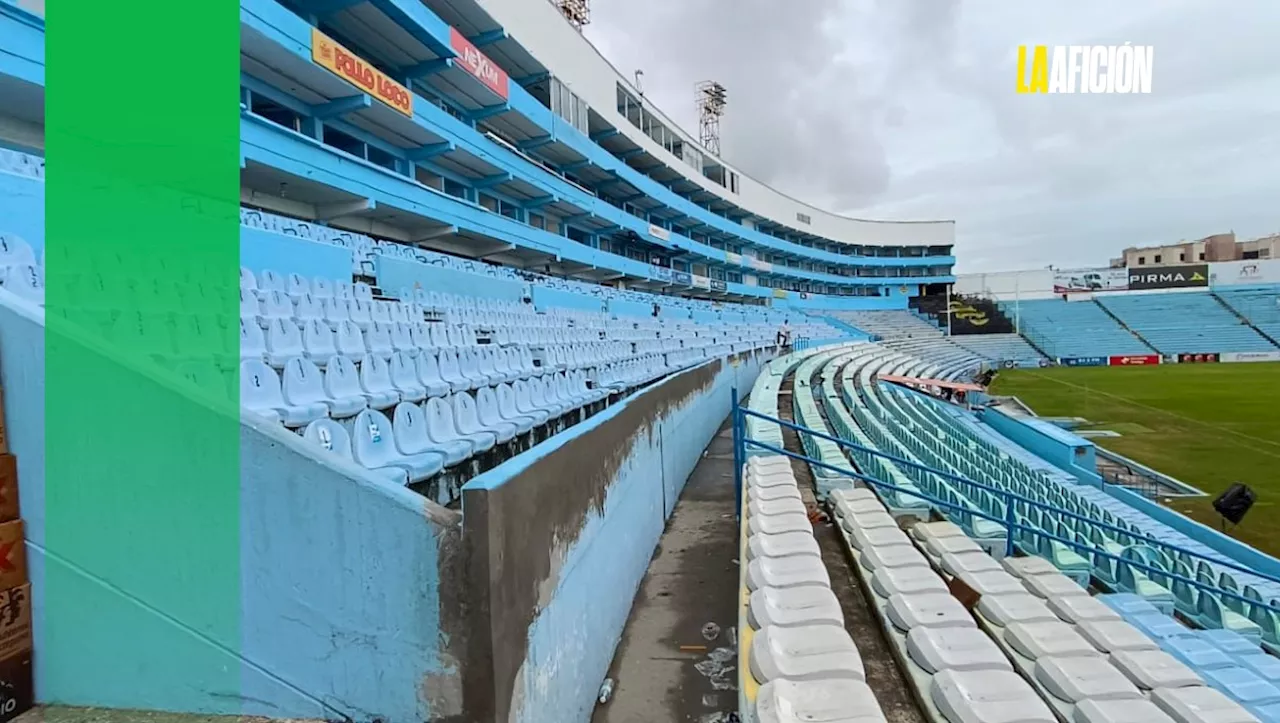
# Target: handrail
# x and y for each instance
(742, 441)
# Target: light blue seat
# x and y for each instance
(373, 446)
(451, 373)
(1127, 603)
(525, 404)
(342, 387)
(1131, 580)
(409, 425)
(404, 377)
(332, 437)
(489, 407)
(260, 393)
(442, 429)
(1157, 625)
(1242, 685)
(466, 418)
(375, 382)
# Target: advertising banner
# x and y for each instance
(701, 282)
(1075, 281)
(661, 273)
(1133, 360)
(1197, 358)
(718, 285)
(733, 258)
(478, 64)
(1240, 273)
(348, 66)
(1250, 356)
(682, 277)
(759, 265)
(779, 293)
(1169, 277)
(1083, 361)
(659, 233)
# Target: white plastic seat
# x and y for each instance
(1076, 609)
(987, 696)
(361, 314)
(775, 524)
(835, 700)
(342, 386)
(1075, 678)
(260, 392)
(318, 344)
(253, 345)
(404, 377)
(409, 425)
(1129, 710)
(25, 281)
(890, 581)
(1039, 640)
(303, 385)
(776, 506)
(428, 373)
(334, 312)
(1200, 704)
(489, 412)
(322, 288)
(866, 537)
(991, 582)
(402, 339)
(270, 281)
(524, 404)
(792, 606)
(284, 341)
(331, 437)
(783, 544)
(375, 381)
(786, 572)
(937, 649)
(276, 305)
(350, 341)
(506, 398)
(1027, 566)
(466, 419)
(374, 447)
(930, 530)
(308, 307)
(1052, 585)
(971, 562)
(451, 373)
(935, 610)
(952, 545)
(896, 556)
(379, 341)
(1152, 669)
(1016, 607)
(442, 428)
(809, 652)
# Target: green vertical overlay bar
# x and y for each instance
(142, 505)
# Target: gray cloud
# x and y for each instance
(905, 109)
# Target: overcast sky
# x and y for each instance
(905, 109)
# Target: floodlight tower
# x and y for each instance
(577, 12)
(711, 98)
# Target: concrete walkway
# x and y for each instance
(678, 657)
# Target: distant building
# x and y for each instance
(1218, 247)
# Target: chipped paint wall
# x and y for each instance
(559, 539)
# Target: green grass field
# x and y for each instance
(1206, 424)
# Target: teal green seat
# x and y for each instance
(1129, 579)
(1186, 598)
(1268, 621)
(1213, 615)
(1228, 583)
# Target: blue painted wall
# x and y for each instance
(396, 274)
(545, 298)
(261, 250)
(22, 208)
(1064, 450)
(583, 609)
(621, 307)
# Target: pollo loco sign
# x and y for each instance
(350, 67)
(478, 64)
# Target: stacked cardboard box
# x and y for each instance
(16, 686)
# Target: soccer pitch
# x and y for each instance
(1206, 424)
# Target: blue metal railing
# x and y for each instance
(1014, 530)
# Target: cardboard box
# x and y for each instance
(8, 488)
(15, 621)
(13, 555)
(17, 686)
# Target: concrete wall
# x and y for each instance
(262, 250)
(22, 208)
(395, 274)
(350, 587)
(1064, 450)
(547, 298)
(560, 538)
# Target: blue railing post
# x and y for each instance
(738, 449)
(1010, 517)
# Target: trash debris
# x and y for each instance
(693, 648)
(710, 631)
(606, 691)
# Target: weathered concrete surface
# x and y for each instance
(691, 583)
(61, 714)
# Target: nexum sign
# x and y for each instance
(1085, 68)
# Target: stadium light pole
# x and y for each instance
(948, 309)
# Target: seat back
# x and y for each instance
(372, 444)
(308, 307)
(322, 288)
(297, 286)
(375, 375)
(440, 420)
(464, 413)
(25, 281)
(252, 342)
(269, 281)
(410, 428)
(334, 311)
(259, 385)
(350, 340)
(317, 339)
(404, 373)
(341, 379)
(303, 383)
(329, 436)
(379, 340)
(284, 338)
(277, 305)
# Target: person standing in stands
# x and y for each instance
(783, 340)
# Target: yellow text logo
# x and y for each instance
(1085, 68)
